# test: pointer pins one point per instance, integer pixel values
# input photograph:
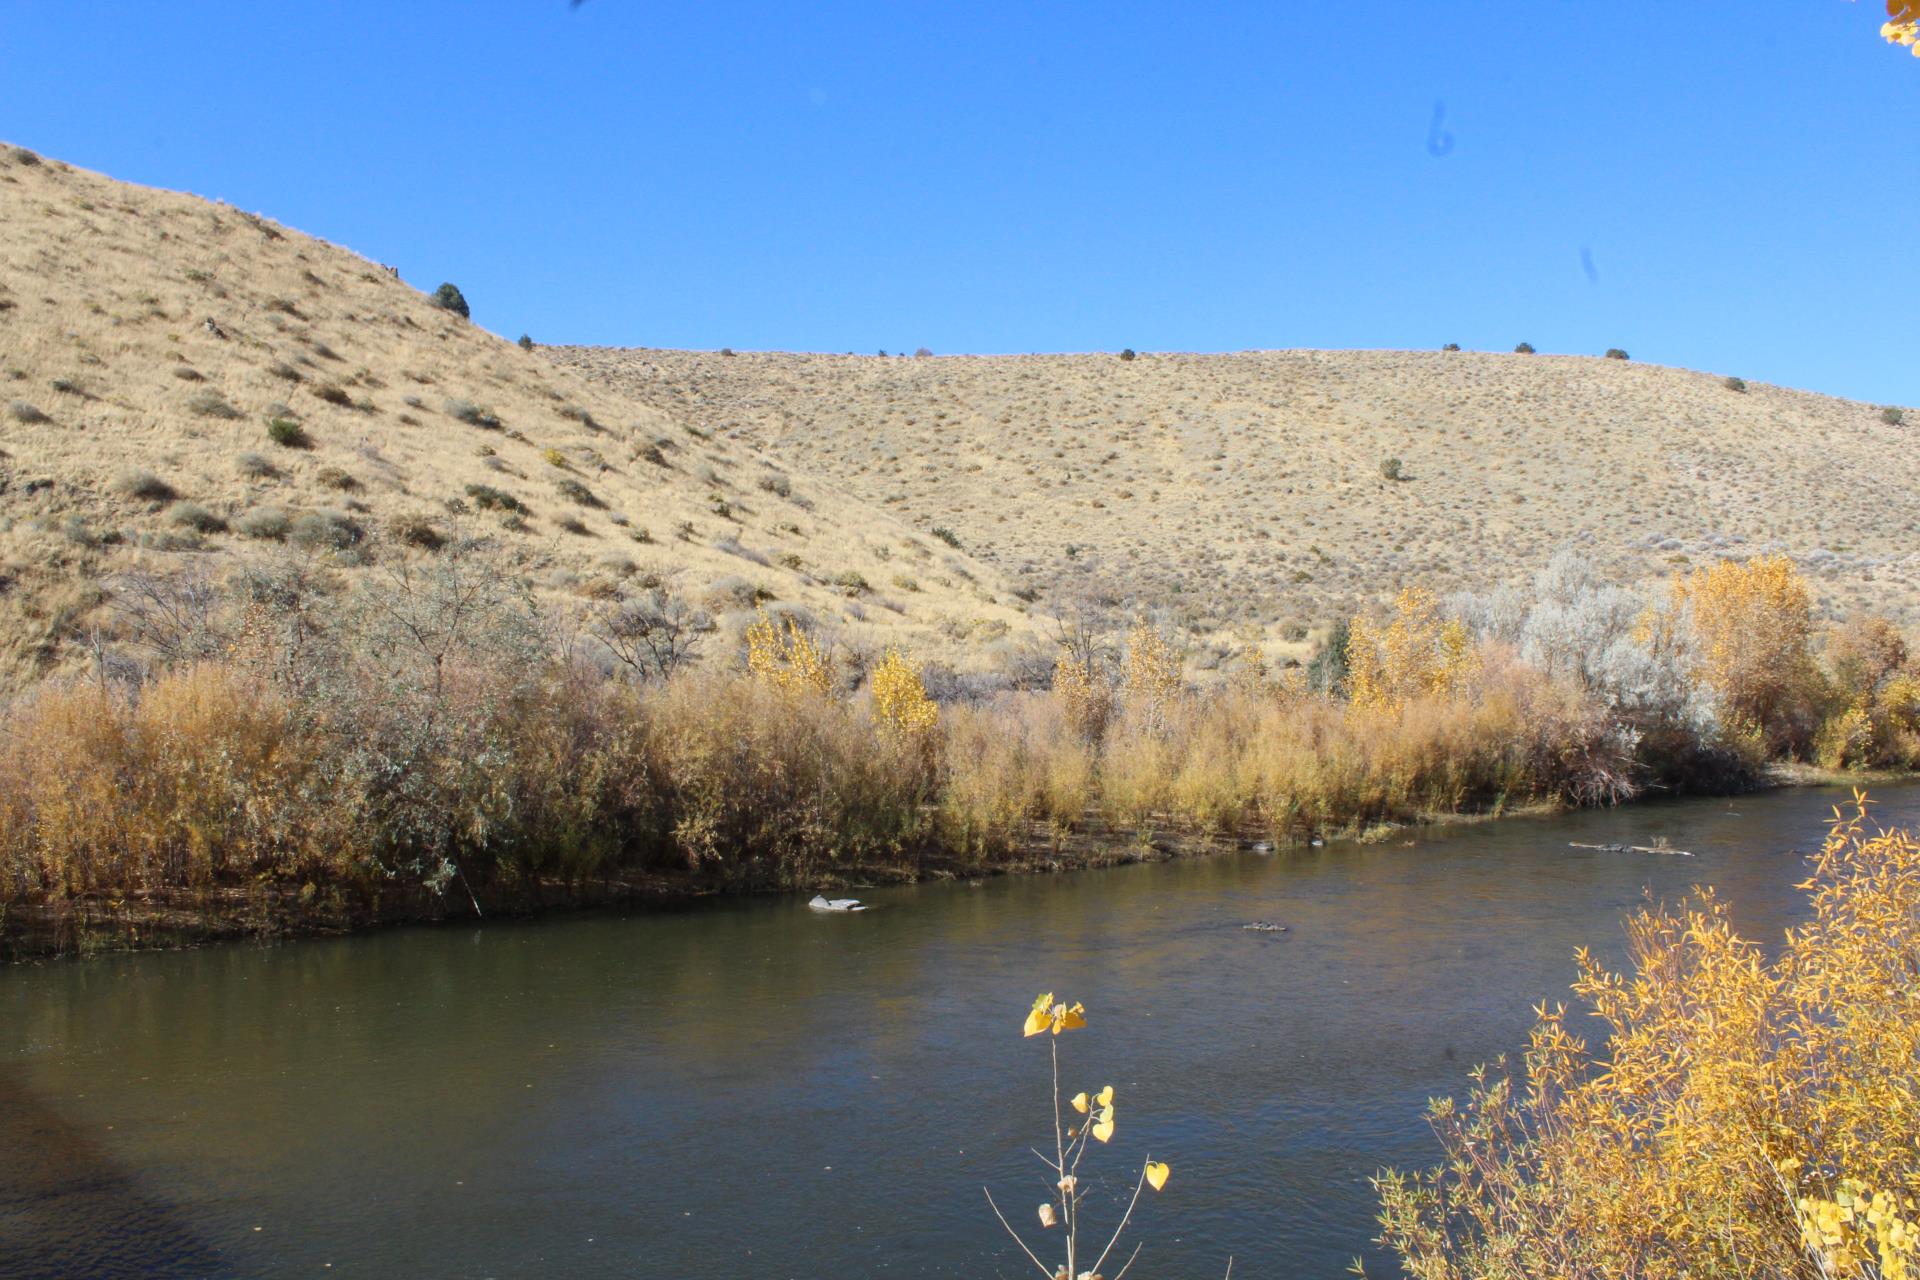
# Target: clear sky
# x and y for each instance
(992, 177)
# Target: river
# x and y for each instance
(746, 1088)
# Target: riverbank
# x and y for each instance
(167, 919)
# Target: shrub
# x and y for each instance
(1893, 415)
(268, 524)
(187, 373)
(191, 515)
(553, 457)
(336, 478)
(1524, 349)
(333, 530)
(288, 434)
(921, 353)
(1390, 469)
(334, 395)
(1615, 353)
(573, 525)
(135, 483)
(284, 371)
(727, 352)
(449, 298)
(255, 466)
(1451, 346)
(21, 411)
(526, 343)
(947, 536)
(1746, 1115)
(778, 484)
(415, 531)
(1754, 621)
(1735, 384)
(488, 498)
(1127, 353)
(573, 491)
(471, 414)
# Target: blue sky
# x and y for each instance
(1025, 177)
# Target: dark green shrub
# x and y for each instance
(1735, 384)
(1126, 353)
(1327, 672)
(947, 536)
(1615, 353)
(1524, 349)
(573, 491)
(1451, 346)
(449, 298)
(288, 434)
(1390, 469)
(526, 343)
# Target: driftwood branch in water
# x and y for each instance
(1633, 848)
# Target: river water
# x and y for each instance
(750, 1089)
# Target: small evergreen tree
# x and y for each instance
(449, 298)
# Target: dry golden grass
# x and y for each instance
(117, 401)
(1248, 488)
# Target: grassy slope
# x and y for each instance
(105, 287)
(1248, 488)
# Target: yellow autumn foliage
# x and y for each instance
(787, 657)
(1152, 677)
(1416, 654)
(1753, 621)
(1746, 1116)
(1903, 24)
(900, 701)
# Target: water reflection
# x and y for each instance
(751, 1088)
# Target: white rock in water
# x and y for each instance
(836, 904)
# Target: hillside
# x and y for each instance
(147, 338)
(1248, 488)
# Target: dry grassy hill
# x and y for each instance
(1249, 488)
(147, 338)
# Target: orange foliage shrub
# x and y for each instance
(1739, 1104)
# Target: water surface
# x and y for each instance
(748, 1089)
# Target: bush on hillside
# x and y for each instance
(449, 298)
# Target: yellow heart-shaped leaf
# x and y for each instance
(1105, 1096)
(1157, 1174)
(1103, 1129)
(1080, 1103)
